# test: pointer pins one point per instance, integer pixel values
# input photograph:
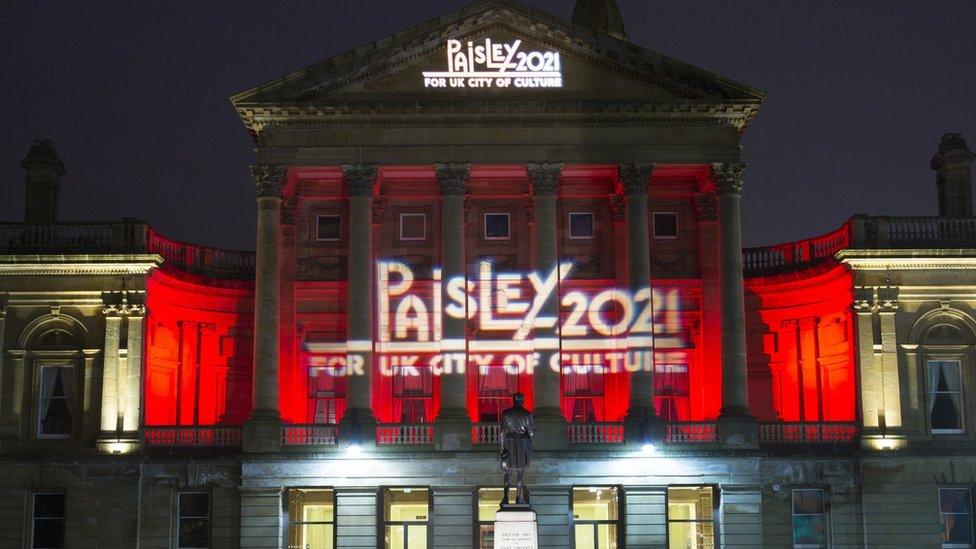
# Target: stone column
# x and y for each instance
(360, 180)
(110, 373)
(453, 429)
(550, 423)
(133, 370)
(706, 210)
(737, 427)
(642, 421)
(262, 431)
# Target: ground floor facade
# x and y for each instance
(422, 499)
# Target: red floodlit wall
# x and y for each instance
(801, 345)
(198, 350)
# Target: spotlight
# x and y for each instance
(648, 449)
(354, 449)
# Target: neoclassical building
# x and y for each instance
(494, 201)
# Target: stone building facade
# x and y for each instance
(496, 200)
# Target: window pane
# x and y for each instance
(581, 225)
(808, 502)
(486, 536)
(413, 226)
(957, 529)
(955, 500)
(690, 535)
(328, 227)
(584, 536)
(595, 503)
(665, 225)
(606, 536)
(48, 534)
(496, 225)
(56, 395)
(489, 500)
(417, 536)
(394, 537)
(194, 532)
(690, 503)
(405, 505)
(809, 530)
(49, 505)
(194, 505)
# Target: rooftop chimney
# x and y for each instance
(43, 184)
(953, 176)
(600, 16)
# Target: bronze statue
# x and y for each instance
(516, 447)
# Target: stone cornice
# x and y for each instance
(452, 178)
(78, 265)
(907, 259)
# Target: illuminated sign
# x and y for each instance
(496, 65)
(594, 331)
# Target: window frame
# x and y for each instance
(930, 392)
(33, 515)
(716, 503)
(620, 523)
(318, 235)
(476, 521)
(508, 226)
(404, 215)
(569, 226)
(40, 366)
(290, 521)
(972, 527)
(382, 523)
(677, 231)
(178, 517)
(825, 514)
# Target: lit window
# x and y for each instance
(497, 226)
(311, 519)
(956, 517)
(583, 392)
(326, 394)
(809, 522)
(327, 227)
(489, 500)
(945, 396)
(496, 385)
(665, 225)
(413, 394)
(690, 517)
(405, 512)
(47, 521)
(194, 520)
(413, 226)
(55, 402)
(595, 516)
(580, 225)
(671, 392)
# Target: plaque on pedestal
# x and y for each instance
(516, 529)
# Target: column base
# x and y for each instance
(262, 433)
(738, 431)
(118, 443)
(550, 429)
(452, 430)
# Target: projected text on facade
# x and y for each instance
(496, 65)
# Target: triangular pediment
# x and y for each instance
(495, 50)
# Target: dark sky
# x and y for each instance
(135, 95)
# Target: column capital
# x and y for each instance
(453, 178)
(544, 177)
(728, 176)
(706, 206)
(269, 179)
(635, 177)
(123, 303)
(359, 178)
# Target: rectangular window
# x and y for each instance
(327, 227)
(580, 225)
(691, 517)
(193, 521)
(413, 394)
(405, 515)
(489, 500)
(583, 392)
(496, 385)
(945, 396)
(809, 519)
(326, 394)
(47, 521)
(956, 517)
(55, 402)
(671, 392)
(497, 226)
(665, 225)
(413, 226)
(595, 517)
(311, 519)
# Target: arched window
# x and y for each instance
(945, 338)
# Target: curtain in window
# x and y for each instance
(945, 389)
(413, 384)
(49, 379)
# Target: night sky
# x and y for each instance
(135, 96)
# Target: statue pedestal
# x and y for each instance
(516, 528)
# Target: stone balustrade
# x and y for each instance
(208, 436)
